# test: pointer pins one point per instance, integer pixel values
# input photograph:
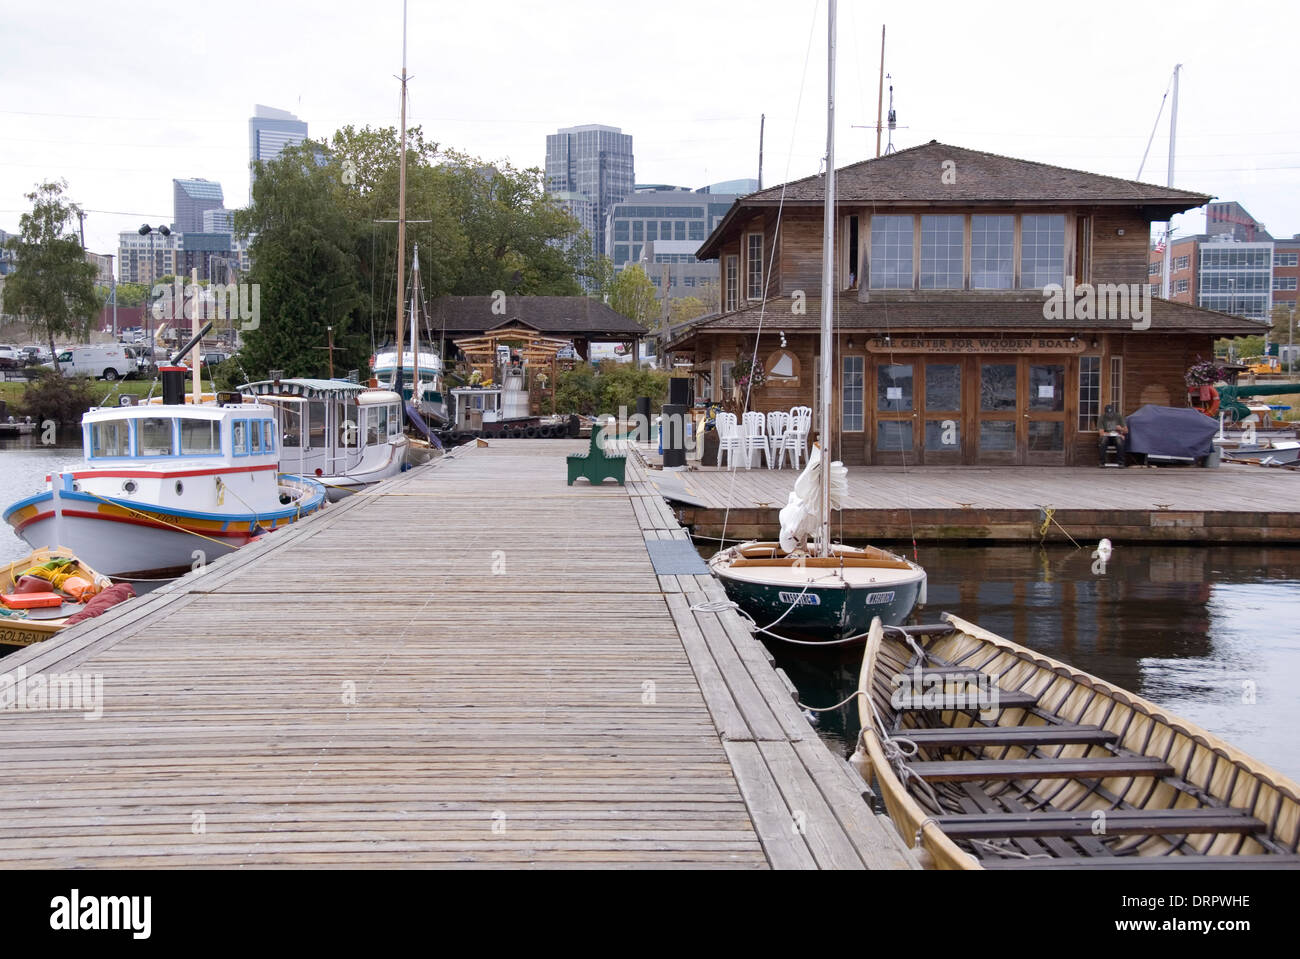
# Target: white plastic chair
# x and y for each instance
(753, 437)
(796, 437)
(728, 437)
(778, 423)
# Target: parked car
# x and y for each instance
(10, 358)
(213, 357)
(109, 362)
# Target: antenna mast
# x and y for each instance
(401, 218)
(880, 89)
(1165, 286)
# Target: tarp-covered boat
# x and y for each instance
(991, 755)
(57, 570)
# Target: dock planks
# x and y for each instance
(472, 665)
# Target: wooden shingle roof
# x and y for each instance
(564, 316)
(912, 314)
(915, 177)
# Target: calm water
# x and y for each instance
(1185, 627)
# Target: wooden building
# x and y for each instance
(988, 308)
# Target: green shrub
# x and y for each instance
(60, 398)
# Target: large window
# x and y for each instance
(732, 287)
(891, 252)
(754, 266)
(1089, 392)
(1117, 382)
(992, 251)
(1042, 250)
(110, 439)
(943, 251)
(155, 437)
(1285, 259)
(852, 398)
(1284, 282)
(200, 437)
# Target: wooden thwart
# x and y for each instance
(989, 770)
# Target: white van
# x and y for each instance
(109, 362)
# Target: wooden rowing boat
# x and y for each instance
(39, 625)
(991, 755)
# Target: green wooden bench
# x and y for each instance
(597, 464)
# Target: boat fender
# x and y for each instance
(530, 432)
(862, 763)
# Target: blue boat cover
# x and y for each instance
(418, 422)
(1166, 431)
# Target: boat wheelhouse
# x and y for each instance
(343, 434)
(432, 404)
(168, 487)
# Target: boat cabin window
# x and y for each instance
(350, 432)
(315, 424)
(200, 437)
(239, 432)
(111, 438)
(268, 436)
(376, 425)
(291, 426)
(154, 435)
(255, 436)
(394, 420)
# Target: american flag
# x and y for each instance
(1160, 247)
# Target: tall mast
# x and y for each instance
(401, 219)
(1165, 286)
(415, 331)
(880, 91)
(828, 284)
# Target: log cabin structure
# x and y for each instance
(988, 310)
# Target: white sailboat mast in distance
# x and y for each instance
(828, 286)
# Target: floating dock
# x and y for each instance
(1232, 504)
(471, 665)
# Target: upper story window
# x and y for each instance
(731, 290)
(891, 252)
(1285, 259)
(1180, 262)
(992, 251)
(943, 251)
(754, 267)
(1153, 269)
(1042, 250)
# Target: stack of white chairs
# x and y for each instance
(796, 437)
(729, 440)
(778, 424)
(753, 437)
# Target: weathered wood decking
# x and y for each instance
(473, 665)
(1232, 504)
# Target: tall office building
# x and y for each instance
(190, 199)
(269, 132)
(219, 220)
(588, 169)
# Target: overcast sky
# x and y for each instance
(120, 98)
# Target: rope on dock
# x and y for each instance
(1049, 517)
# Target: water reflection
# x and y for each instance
(1199, 631)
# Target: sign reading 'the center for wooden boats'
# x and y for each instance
(974, 344)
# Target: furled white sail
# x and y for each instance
(801, 516)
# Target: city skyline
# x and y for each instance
(692, 122)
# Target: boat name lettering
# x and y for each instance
(886, 597)
(800, 599)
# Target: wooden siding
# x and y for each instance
(1115, 258)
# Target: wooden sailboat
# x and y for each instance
(822, 591)
(993, 756)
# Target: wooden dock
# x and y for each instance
(473, 665)
(1231, 504)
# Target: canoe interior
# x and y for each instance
(24, 632)
(1018, 761)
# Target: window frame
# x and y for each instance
(753, 267)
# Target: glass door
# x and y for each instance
(998, 416)
(896, 414)
(1044, 415)
(941, 413)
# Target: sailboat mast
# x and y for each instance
(415, 331)
(828, 285)
(401, 219)
(1165, 286)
